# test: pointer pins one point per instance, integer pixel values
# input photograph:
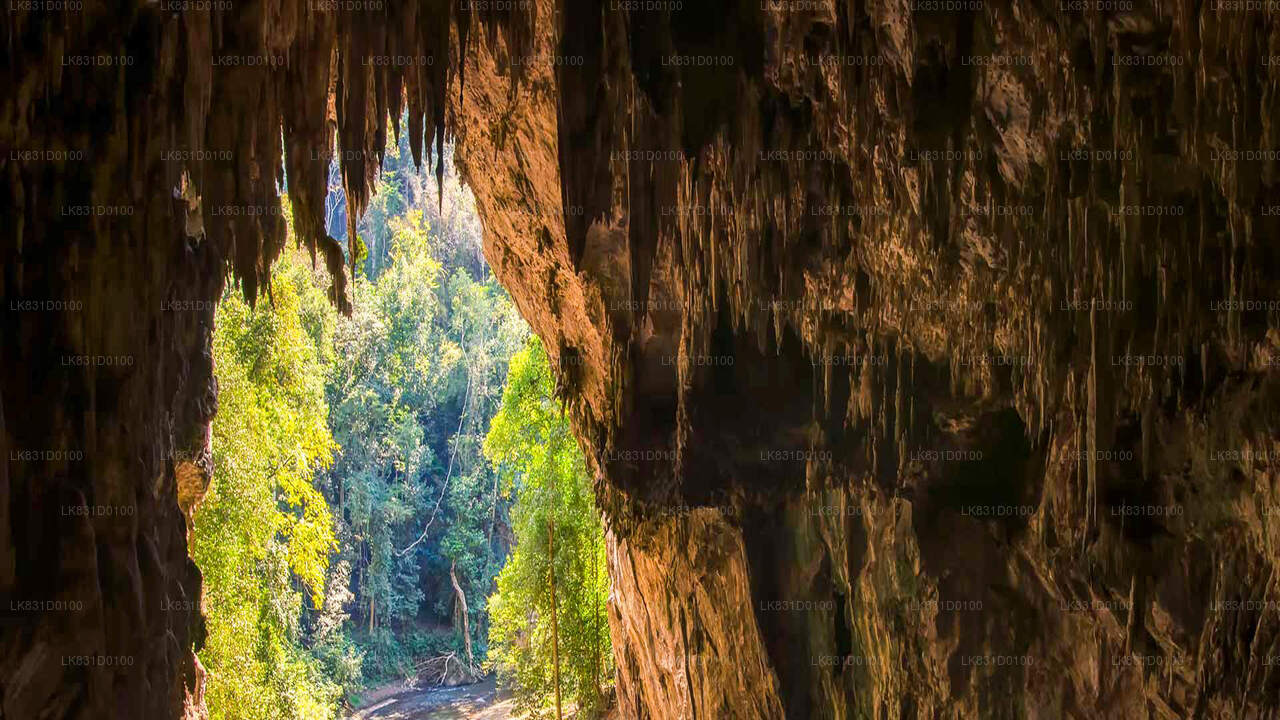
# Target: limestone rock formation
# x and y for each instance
(926, 350)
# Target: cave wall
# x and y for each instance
(952, 324)
(925, 351)
(145, 147)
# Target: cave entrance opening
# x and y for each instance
(397, 498)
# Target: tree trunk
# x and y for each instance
(555, 630)
(595, 605)
(466, 622)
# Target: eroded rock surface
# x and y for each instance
(144, 146)
(952, 332)
(926, 350)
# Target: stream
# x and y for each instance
(481, 701)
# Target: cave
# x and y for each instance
(925, 351)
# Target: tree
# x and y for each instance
(550, 596)
(264, 533)
(379, 393)
(381, 417)
(424, 358)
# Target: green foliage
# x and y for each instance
(425, 354)
(356, 466)
(264, 534)
(538, 460)
(377, 394)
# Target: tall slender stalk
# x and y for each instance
(555, 630)
(595, 605)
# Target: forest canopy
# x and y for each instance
(372, 479)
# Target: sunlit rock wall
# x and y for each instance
(926, 350)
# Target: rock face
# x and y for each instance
(937, 347)
(143, 143)
(926, 350)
